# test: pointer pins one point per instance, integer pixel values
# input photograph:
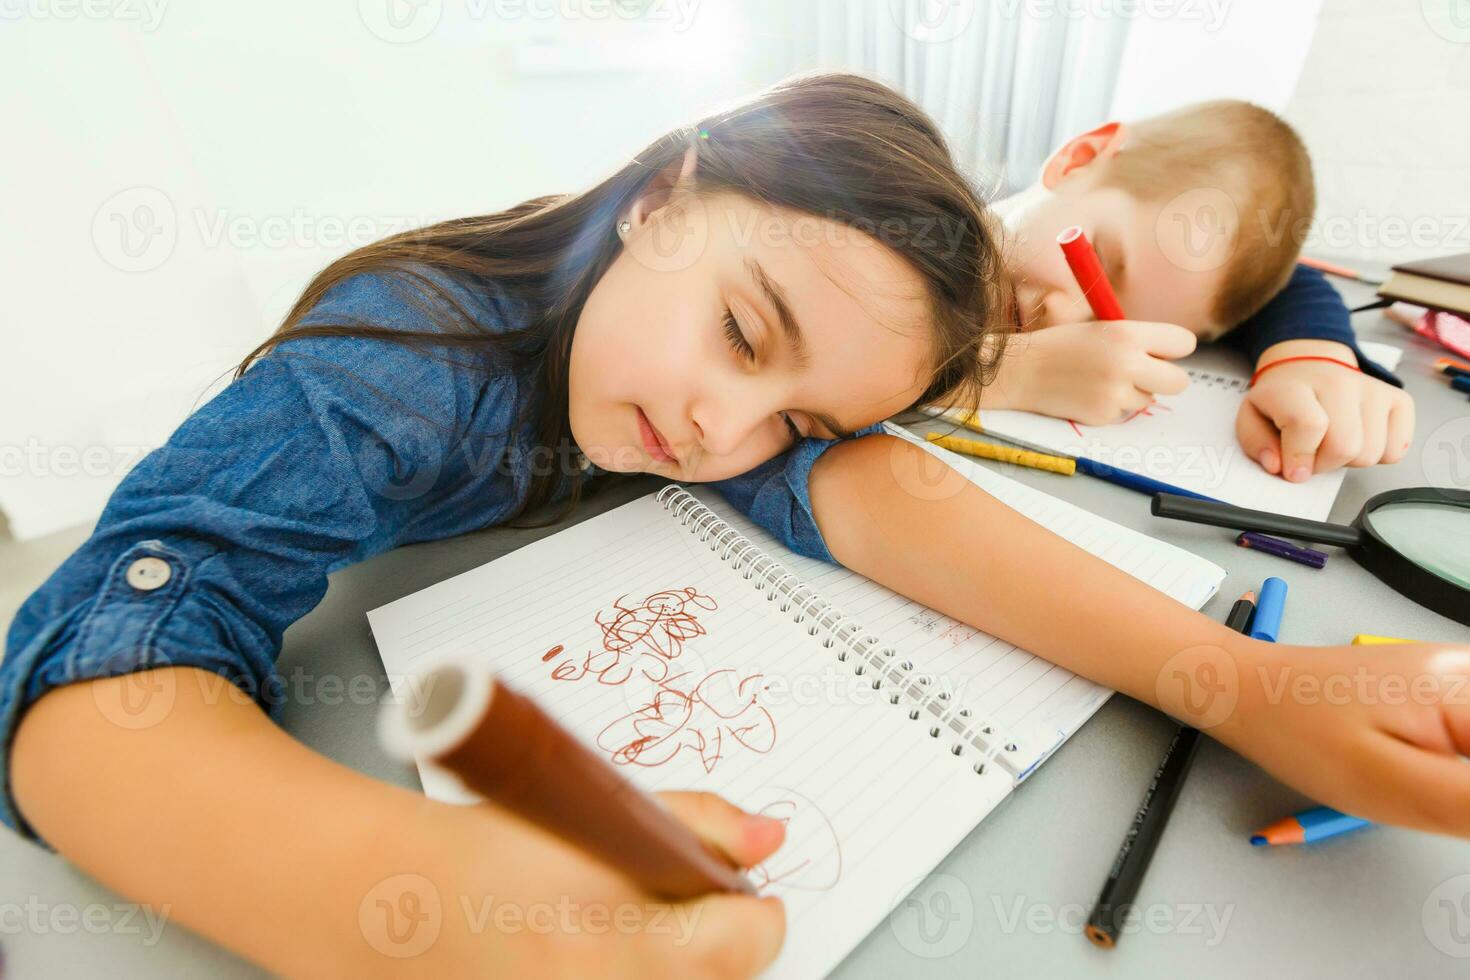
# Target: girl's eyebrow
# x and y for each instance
(776, 296)
(795, 341)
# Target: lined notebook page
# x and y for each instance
(641, 641)
(1024, 699)
(1187, 440)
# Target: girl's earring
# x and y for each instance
(624, 227)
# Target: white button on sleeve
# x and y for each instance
(148, 574)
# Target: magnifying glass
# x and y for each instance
(1416, 540)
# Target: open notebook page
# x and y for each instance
(641, 641)
(1186, 440)
(1034, 704)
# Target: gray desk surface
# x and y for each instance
(1010, 899)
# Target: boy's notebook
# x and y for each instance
(1187, 440)
(697, 652)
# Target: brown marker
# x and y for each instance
(505, 748)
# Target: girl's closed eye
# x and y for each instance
(746, 353)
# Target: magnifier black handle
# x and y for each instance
(1242, 519)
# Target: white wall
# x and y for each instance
(172, 180)
(1182, 51)
(1378, 91)
(1384, 106)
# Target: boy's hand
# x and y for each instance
(1311, 417)
(1096, 373)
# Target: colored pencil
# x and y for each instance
(1333, 269)
(1134, 481)
(1005, 454)
(1318, 823)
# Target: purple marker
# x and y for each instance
(1282, 549)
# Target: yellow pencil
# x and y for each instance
(965, 418)
(1005, 454)
(1368, 639)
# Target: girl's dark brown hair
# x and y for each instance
(836, 146)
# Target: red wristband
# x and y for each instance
(1303, 357)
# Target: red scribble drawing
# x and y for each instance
(1147, 410)
(698, 717)
(958, 633)
(706, 712)
(552, 652)
(645, 636)
(810, 859)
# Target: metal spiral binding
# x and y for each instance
(744, 556)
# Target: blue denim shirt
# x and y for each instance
(329, 451)
(326, 452)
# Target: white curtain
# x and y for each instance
(1007, 80)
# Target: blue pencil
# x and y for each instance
(1318, 823)
(1321, 821)
(1133, 481)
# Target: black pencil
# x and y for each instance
(1113, 904)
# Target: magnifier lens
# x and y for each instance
(1434, 536)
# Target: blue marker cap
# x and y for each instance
(1269, 606)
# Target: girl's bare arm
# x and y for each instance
(225, 824)
(898, 515)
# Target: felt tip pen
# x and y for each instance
(502, 746)
(1256, 541)
(1116, 900)
(1087, 268)
(1315, 824)
(1267, 622)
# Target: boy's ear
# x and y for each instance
(1078, 152)
(677, 176)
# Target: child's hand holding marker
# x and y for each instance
(385, 882)
(578, 916)
(1095, 372)
(1312, 416)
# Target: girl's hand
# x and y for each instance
(219, 818)
(1311, 417)
(1374, 731)
(1095, 373)
(474, 891)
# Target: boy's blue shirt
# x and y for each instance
(1307, 308)
(326, 452)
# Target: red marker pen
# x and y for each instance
(1088, 270)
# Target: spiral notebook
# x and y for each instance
(694, 651)
(1187, 440)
